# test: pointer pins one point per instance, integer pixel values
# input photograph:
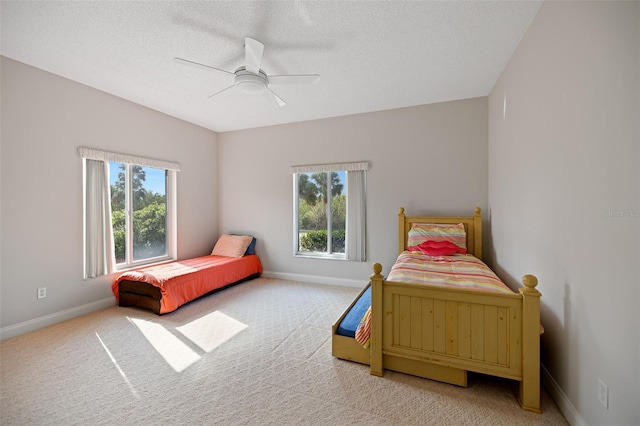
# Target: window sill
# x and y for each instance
(324, 256)
(154, 262)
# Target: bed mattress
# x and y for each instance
(179, 282)
(460, 271)
(351, 321)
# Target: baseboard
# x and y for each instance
(315, 279)
(47, 320)
(560, 398)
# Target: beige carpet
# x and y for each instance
(255, 354)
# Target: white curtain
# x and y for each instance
(334, 167)
(98, 232)
(356, 215)
(96, 154)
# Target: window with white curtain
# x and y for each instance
(330, 210)
(129, 211)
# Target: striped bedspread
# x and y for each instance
(460, 271)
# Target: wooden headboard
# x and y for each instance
(472, 225)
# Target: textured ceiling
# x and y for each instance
(371, 55)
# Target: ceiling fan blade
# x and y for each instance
(217, 93)
(198, 65)
(275, 98)
(294, 79)
(253, 55)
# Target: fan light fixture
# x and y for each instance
(250, 79)
(251, 83)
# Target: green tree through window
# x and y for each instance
(321, 206)
(144, 236)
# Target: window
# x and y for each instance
(329, 211)
(129, 211)
(322, 213)
(139, 207)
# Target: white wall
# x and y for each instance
(561, 155)
(44, 119)
(428, 159)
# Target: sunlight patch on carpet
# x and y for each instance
(212, 330)
(122, 373)
(177, 354)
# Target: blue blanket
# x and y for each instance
(350, 322)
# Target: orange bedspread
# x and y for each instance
(185, 280)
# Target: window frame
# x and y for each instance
(98, 244)
(328, 254)
(170, 219)
(355, 220)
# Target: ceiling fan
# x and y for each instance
(251, 79)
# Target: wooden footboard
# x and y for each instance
(441, 333)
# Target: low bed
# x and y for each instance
(165, 287)
(445, 312)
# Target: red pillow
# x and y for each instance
(439, 248)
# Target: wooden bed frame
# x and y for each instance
(440, 333)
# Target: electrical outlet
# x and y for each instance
(42, 292)
(603, 393)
